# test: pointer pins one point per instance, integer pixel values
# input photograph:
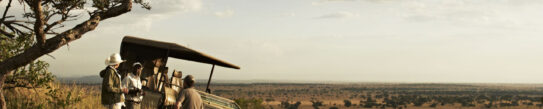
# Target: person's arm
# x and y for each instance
(130, 85)
(126, 82)
(180, 100)
(110, 74)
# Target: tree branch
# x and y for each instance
(13, 29)
(6, 11)
(40, 21)
(62, 39)
(6, 33)
(10, 24)
(24, 26)
(54, 24)
(126, 6)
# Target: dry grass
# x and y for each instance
(331, 95)
(66, 96)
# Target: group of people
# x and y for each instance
(118, 92)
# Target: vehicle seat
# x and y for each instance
(177, 82)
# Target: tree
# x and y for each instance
(44, 18)
(32, 75)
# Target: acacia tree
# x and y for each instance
(44, 18)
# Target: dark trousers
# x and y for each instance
(133, 105)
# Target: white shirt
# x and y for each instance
(132, 81)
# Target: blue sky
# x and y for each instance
(483, 41)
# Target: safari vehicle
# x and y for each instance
(161, 91)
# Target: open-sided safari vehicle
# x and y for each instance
(161, 91)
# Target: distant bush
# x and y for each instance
(269, 99)
(489, 105)
(252, 103)
(287, 105)
(333, 107)
(433, 105)
(347, 103)
(316, 104)
(370, 103)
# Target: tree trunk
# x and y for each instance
(52, 44)
(3, 103)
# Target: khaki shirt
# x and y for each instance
(190, 99)
(111, 87)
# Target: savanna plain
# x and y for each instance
(313, 95)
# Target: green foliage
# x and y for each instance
(10, 47)
(102, 5)
(32, 75)
(252, 103)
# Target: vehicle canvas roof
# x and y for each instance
(178, 51)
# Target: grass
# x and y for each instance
(58, 96)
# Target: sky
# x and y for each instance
(438, 41)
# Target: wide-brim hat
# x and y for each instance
(114, 59)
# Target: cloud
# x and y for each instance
(288, 14)
(142, 20)
(223, 14)
(322, 2)
(491, 13)
(337, 15)
(175, 5)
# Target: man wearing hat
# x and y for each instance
(133, 83)
(112, 92)
(189, 97)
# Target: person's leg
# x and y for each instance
(108, 106)
(137, 105)
(111, 106)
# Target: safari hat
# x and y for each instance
(115, 58)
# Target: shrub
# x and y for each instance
(347, 103)
(252, 103)
(316, 104)
(287, 105)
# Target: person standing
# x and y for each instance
(133, 83)
(112, 92)
(189, 97)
